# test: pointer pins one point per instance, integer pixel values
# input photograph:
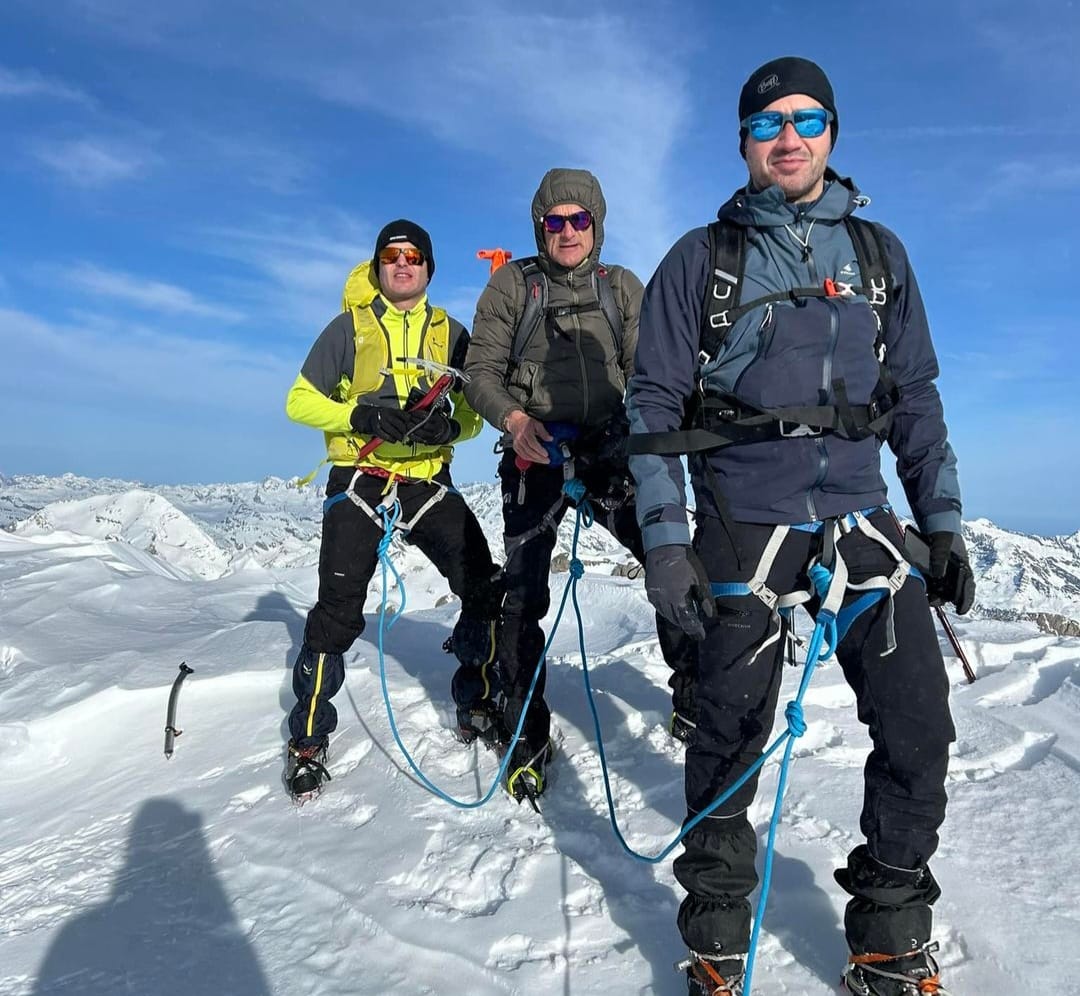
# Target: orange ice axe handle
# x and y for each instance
(498, 257)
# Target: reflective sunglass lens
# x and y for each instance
(766, 125)
(555, 223)
(580, 220)
(414, 257)
(810, 124)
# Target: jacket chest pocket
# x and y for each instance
(802, 349)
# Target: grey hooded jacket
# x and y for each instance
(789, 354)
(574, 369)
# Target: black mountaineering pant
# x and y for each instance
(447, 533)
(903, 700)
(527, 497)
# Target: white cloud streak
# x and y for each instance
(144, 293)
(528, 90)
(92, 161)
(26, 84)
(91, 357)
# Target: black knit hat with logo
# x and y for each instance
(403, 230)
(781, 78)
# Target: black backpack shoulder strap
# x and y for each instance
(536, 293)
(877, 280)
(605, 293)
(723, 284)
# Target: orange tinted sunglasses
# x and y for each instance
(389, 256)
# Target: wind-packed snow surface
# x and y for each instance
(124, 873)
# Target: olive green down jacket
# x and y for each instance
(574, 369)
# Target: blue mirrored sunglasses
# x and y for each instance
(810, 122)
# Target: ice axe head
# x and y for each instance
(497, 256)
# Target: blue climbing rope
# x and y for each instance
(825, 628)
(389, 519)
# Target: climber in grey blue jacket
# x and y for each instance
(783, 408)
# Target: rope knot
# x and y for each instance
(574, 490)
(796, 723)
(821, 576)
(389, 517)
(577, 569)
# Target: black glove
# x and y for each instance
(679, 589)
(416, 395)
(433, 428)
(951, 578)
(390, 424)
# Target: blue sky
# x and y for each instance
(186, 186)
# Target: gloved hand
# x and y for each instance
(951, 578)
(679, 589)
(600, 455)
(390, 424)
(416, 395)
(433, 428)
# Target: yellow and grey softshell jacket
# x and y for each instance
(345, 367)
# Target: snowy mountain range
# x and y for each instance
(208, 531)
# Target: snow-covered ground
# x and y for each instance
(121, 872)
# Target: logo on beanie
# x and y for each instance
(769, 83)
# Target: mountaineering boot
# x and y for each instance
(912, 973)
(681, 728)
(483, 722)
(305, 771)
(713, 977)
(526, 774)
(890, 911)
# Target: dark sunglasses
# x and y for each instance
(390, 255)
(555, 223)
(764, 126)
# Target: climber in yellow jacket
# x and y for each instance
(363, 381)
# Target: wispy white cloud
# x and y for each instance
(144, 293)
(1036, 40)
(93, 161)
(618, 108)
(1027, 178)
(245, 157)
(96, 355)
(298, 265)
(528, 90)
(957, 132)
(29, 83)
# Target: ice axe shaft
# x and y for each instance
(171, 732)
(947, 626)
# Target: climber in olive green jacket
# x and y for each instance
(551, 352)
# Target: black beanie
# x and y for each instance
(781, 78)
(403, 230)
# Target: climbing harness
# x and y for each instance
(829, 580)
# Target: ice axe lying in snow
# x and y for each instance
(171, 732)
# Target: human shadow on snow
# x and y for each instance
(167, 928)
